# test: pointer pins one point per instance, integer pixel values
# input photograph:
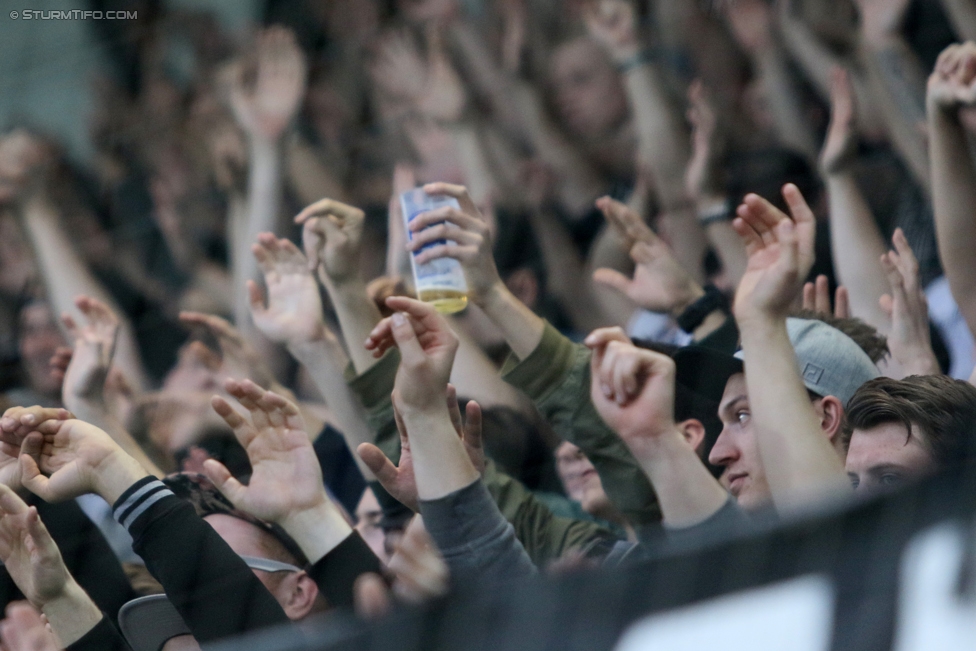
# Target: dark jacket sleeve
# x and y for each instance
(336, 572)
(475, 539)
(104, 637)
(211, 587)
(556, 376)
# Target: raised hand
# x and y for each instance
(34, 562)
(24, 629)
(427, 348)
(840, 146)
(399, 480)
(660, 283)
(286, 476)
(470, 240)
(419, 571)
(16, 424)
(700, 181)
(265, 108)
(632, 388)
(612, 24)
(953, 81)
(781, 254)
(293, 314)
(238, 357)
(331, 238)
(28, 551)
(816, 297)
(94, 347)
(909, 339)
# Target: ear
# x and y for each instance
(694, 433)
(300, 595)
(831, 413)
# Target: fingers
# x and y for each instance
(411, 352)
(474, 418)
(32, 479)
(627, 222)
(761, 215)
(751, 239)
(18, 422)
(842, 303)
(380, 465)
(95, 310)
(788, 261)
(40, 535)
(229, 487)
(441, 217)
(371, 596)
(459, 252)
(612, 278)
(603, 336)
(255, 298)
(233, 419)
(822, 295)
(10, 502)
(809, 296)
(332, 207)
(459, 192)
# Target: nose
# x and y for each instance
(724, 452)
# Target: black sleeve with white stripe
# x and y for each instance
(211, 587)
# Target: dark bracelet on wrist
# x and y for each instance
(696, 313)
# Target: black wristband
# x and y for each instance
(695, 314)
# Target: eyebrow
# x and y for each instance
(886, 467)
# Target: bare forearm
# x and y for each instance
(476, 377)
(66, 277)
(96, 413)
(521, 327)
(259, 215)
(800, 463)
(317, 530)
(357, 315)
(954, 199)
(72, 614)
(857, 245)
(441, 464)
(309, 176)
(686, 491)
(325, 362)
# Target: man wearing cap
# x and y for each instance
(782, 397)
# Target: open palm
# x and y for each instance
(294, 310)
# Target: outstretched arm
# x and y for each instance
(800, 463)
(950, 87)
(33, 560)
(83, 390)
(293, 317)
(855, 239)
(633, 389)
(458, 511)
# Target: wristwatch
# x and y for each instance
(695, 314)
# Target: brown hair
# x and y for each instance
(942, 409)
(865, 336)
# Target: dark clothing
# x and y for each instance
(211, 587)
(339, 470)
(474, 538)
(104, 637)
(336, 572)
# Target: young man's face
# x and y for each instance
(737, 450)
(886, 456)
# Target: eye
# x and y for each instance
(890, 479)
(742, 416)
(855, 481)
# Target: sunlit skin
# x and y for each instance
(885, 457)
(737, 448)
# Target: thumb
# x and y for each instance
(472, 426)
(406, 338)
(41, 536)
(32, 479)
(379, 464)
(223, 480)
(887, 304)
(371, 596)
(612, 278)
(255, 298)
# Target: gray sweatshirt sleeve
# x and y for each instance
(474, 537)
(727, 520)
